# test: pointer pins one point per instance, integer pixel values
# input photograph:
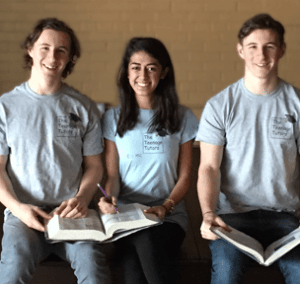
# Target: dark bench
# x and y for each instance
(193, 262)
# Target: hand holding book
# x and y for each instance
(211, 219)
(254, 249)
(159, 211)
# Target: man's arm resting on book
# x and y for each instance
(28, 214)
(112, 185)
(77, 207)
(208, 188)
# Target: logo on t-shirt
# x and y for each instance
(153, 144)
(281, 128)
(66, 126)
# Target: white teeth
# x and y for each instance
(261, 65)
(50, 67)
(142, 85)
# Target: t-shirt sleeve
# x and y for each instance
(190, 126)
(92, 140)
(212, 124)
(297, 123)
(109, 125)
(4, 148)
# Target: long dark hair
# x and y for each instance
(57, 25)
(166, 103)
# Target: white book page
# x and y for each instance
(89, 227)
(90, 222)
(129, 212)
(248, 245)
(131, 216)
(282, 246)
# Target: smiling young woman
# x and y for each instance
(148, 141)
(144, 74)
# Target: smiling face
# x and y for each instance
(50, 54)
(261, 51)
(144, 73)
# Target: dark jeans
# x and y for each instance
(229, 264)
(146, 254)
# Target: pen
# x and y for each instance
(103, 191)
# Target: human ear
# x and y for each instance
(29, 51)
(164, 73)
(239, 48)
(283, 49)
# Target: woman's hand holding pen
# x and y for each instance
(108, 205)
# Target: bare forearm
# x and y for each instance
(184, 174)
(92, 174)
(208, 188)
(180, 189)
(27, 213)
(7, 195)
(112, 186)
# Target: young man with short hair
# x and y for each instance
(250, 142)
(50, 145)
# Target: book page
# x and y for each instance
(131, 217)
(126, 213)
(282, 246)
(130, 212)
(245, 243)
(90, 222)
(89, 227)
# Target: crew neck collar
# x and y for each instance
(275, 92)
(44, 97)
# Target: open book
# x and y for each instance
(254, 249)
(101, 227)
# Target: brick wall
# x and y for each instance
(199, 34)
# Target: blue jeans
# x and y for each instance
(229, 264)
(24, 248)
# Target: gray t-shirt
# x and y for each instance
(260, 134)
(147, 161)
(46, 138)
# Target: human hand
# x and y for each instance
(107, 205)
(32, 216)
(75, 207)
(211, 219)
(159, 211)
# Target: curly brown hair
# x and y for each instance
(57, 25)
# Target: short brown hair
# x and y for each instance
(263, 22)
(57, 25)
